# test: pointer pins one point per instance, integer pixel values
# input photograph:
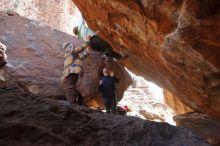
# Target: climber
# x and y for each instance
(72, 70)
(96, 43)
(83, 32)
(107, 87)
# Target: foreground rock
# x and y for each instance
(35, 60)
(27, 119)
(202, 125)
(174, 43)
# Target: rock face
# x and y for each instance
(202, 125)
(61, 15)
(173, 102)
(174, 43)
(35, 59)
(27, 119)
(151, 116)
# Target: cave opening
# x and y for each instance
(69, 16)
(146, 100)
(32, 111)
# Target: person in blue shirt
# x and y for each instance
(107, 87)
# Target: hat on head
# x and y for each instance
(75, 30)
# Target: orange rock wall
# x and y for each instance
(174, 103)
(174, 43)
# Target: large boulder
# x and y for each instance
(173, 43)
(201, 124)
(93, 66)
(30, 120)
(35, 59)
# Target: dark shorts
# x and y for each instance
(110, 105)
(69, 87)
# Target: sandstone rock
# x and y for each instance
(93, 66)
(35, 60)
(151, 116)
(175, 104)
(61, 15)
(201, 124)
(173, 43)
(35, 57)
(27, 119)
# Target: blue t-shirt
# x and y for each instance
(108, 86)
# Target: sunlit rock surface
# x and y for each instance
(61, 15)
(32, 120)
(174, 43)
(35, 60)
(173, 102)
